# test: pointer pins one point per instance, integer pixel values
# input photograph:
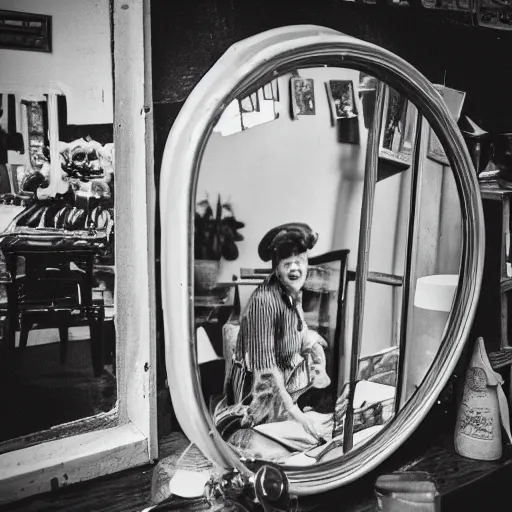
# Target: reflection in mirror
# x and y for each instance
(292, 369)
(57, 236)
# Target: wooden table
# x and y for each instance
(464, 485)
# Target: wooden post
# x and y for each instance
(410, 259)
(370, 178)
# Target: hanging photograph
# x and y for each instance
(341, 99)
(367, 93)
(398, 129)
(24, 31)
(367, 83)
(302, 96)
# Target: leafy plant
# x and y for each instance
(216, 233)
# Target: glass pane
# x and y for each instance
(57, 362)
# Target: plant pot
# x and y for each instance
(206, 274)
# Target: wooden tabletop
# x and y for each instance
(494, 192)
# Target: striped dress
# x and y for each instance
(269, 345)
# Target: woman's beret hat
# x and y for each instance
(292, 234)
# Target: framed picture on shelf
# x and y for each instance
(367, 83)
(302, 96)
(341, 99)
(398, 129)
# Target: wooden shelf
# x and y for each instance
(494, 192)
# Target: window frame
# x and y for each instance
(133, 441)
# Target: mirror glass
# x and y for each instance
(293, 369)
(57, 272)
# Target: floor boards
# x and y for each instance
(128, 491)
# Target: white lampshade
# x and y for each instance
(436, 292)
(205, 350)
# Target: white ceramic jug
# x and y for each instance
(483, 410)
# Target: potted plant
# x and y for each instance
(215, 237)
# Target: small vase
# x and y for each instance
(483, 410)
(206, 274)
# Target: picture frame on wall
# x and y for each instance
(398, 129)
(25, 31)
(302, 92)
(367, 83)
(454, 100)
(341, 99)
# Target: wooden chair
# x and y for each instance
(50, 291)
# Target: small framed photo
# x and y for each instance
(367, 83)
(398, 129)
(341, 99)
(25, 31)
(302, 96)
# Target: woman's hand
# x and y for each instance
(310, 427)
(307, 423)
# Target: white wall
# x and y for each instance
(80, 60)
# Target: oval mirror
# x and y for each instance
(322, 255)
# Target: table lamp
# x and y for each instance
(432, 304)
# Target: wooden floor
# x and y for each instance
(128, 491)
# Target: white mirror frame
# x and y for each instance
(254, 61)
(133, 440)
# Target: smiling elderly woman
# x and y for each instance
(277, 358)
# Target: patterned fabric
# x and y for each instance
(272, 362)
(271, 329)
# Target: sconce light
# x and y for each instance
(433, 301)
(436, 292)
